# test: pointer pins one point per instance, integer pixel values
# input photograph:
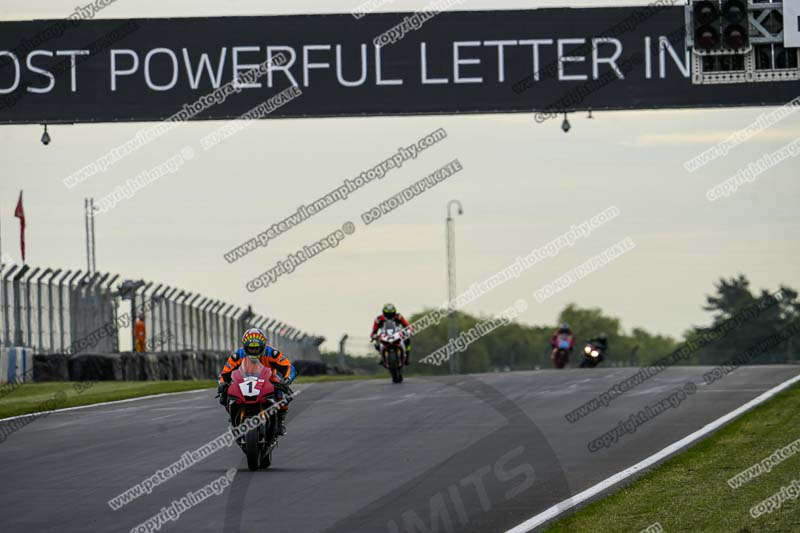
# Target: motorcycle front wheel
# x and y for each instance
(251, 449)
(394, 367)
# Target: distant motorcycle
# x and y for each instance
(562, 354)
(592, 355)
(251, 395)
(393, 350)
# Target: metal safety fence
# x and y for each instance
(66, 311)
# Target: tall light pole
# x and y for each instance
(451, 280)
(341, 359)
(91, 258)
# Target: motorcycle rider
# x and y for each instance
(254, 344)
(390, 313)
(562, 334)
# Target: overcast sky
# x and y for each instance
(523, 184)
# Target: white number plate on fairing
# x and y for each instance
(250, 387)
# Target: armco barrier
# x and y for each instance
(16, 364)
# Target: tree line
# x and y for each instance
(518, 346)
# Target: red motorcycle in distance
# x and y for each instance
(393, 349)
(252, 396)
(561, 357)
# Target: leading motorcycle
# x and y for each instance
(253, 398)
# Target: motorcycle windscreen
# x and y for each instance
(251, 368)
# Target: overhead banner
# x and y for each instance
(345, 65)
(791, 23)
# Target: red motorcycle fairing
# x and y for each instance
(250, 383)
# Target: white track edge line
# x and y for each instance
(581, 497)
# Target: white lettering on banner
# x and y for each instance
(164, 69)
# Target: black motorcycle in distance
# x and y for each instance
(593, 355)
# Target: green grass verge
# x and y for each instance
(690, 491)
(35, 397)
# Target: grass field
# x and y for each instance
(690, 491)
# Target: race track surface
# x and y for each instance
(467, 453)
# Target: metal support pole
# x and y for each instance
(154, 299)
(200, 338)
(203, 323)
(51, 309)
(342, 342)
(108, 293)
(7, 308)
(172, 337)
(17, 307)
(28, 308)
(455, 366)
(226, 335)
(217, 341)
(88, 238)
(200, 325)
(224, 329)
(170, 327)
(39, 325)
(61, 336)
(88, 304)
(192, 336)
(280, 329)
(263, 327)
(71, 305)
(163, 310)
(211, 314)
(245, 318)
(215, 323)
(158, 316)
(234, 326)
(185, 297)
(94, 248)
(99, 310)
(209, 317)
